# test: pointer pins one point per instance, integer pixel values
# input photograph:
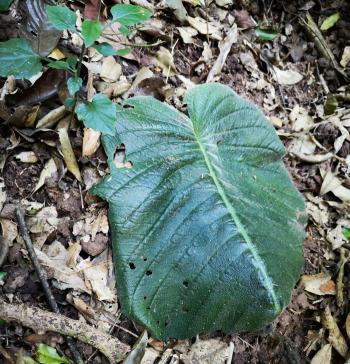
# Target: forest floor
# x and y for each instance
(298, 83)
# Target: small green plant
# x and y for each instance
(19, 60)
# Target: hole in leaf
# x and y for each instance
(127, 106)
(185, 284)
(165, 324)
(148, 273)
(145, 259)
(132, 265)
(145, 297)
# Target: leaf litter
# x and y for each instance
(285, 73)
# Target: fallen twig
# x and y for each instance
(322, 46)
(43, 279)
(40, 320)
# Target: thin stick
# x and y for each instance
(38, 319)
(43, 279)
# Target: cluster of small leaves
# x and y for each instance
(19, 60)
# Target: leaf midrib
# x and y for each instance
(257, 260)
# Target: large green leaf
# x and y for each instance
(99, 114)
(61, 17)
(207, 226)
(90, 31)
(18, 59)
(129, 15)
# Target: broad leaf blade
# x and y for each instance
(207, 226)
(99, 114)
(5, 4)
(61, 17)
(18, 59)
(90, 30)
(129, 15)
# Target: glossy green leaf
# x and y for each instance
(5, 4)
(90, 31)
(99, 114)
(74, 84)
(107, 50)
(18, 59)
(49, 355)
(61, 17)
(129, 15)
(207, 227)
(330, 21)
(266, 34)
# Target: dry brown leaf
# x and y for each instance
(204, 27)
(96, 274)
(91, 141)
(225, 48)
(347, 325)
(320, 284)
(300, 119)
(286, 77)
(49, 172)
(2, 194)
(165, 61)
(52, 118)
(54, 264)
(331, 183)
(187, 34)
(68, 154)
(9, 230)
(27, 157)
(345, 59)
(323, 356)
(207, 352)
(111, 70)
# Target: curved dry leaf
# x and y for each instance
(49, 171)
(91, 141)
(323, 356)
(320, 284)
(287, 77)
(68, 154)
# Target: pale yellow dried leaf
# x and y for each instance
(50, 119)
(68, 154)
(323, 356)
(111, 70)
(56, 54)
(91, 141)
